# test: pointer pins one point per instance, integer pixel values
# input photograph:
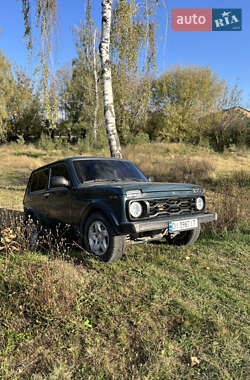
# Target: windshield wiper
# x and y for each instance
(95, 180)
(128, 179)
(115, 180)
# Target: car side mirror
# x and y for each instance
(59, 181)
(151, 179)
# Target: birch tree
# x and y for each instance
(96, 88)
(109, 111)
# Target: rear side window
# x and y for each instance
(39, 180)
(59, 171)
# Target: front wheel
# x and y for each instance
(184, 237)
(100, 239)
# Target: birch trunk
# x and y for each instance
(96, 90)
(109, 112)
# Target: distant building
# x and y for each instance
(240, 109)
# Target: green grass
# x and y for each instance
(141, 318)
(159, 313)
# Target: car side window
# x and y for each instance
(39, 180)
(60, 171)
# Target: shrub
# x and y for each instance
(61, 144)
(187, 170)
(226, 128)
(20, 140)
(232, 206)
(241, 178)
(45, 143)
(83, 146)
(141, 138)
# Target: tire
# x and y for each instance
(32, 233)
(184, 238)
(100, 239)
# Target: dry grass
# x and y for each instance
(11, 198)
(160, 158)
(232, 205)
(185, 169)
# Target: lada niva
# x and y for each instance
(110, 203)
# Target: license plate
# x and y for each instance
(182, 225)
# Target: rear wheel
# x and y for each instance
(100, 239)
(184, 237)
(32, 233)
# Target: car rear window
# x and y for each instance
(39, 180)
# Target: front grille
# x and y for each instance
(171, 206)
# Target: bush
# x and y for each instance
(232, 206)
(241, 178)
(46, 143)
(83, 146)
(187, 170)
(139, 139)
(224, 129)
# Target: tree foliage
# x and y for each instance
(20, 107)
(228, 125)
(132, 42)
(6, 92)
(80, 87)
(45, 22)
(181, 97)
(25, 116)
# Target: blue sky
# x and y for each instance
(227, 53)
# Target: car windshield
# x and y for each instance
(107, 170)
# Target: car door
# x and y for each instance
(37, 196)
(58, 199)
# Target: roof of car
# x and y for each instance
(92, 158)
(68, 159)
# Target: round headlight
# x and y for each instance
(135, 209)
(199, 203)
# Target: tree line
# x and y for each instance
(183, 104)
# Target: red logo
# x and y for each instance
(191, 19)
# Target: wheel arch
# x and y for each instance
(103, 209)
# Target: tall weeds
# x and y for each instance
(232, 205)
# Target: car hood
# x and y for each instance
(150, 187)
(147, 188)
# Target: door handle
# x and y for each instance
(46, 195)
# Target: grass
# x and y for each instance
(159, 313)
(142, 318)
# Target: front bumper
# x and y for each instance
(154, 225)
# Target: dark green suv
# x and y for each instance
(110, 203)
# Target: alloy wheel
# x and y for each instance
(98, 237)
